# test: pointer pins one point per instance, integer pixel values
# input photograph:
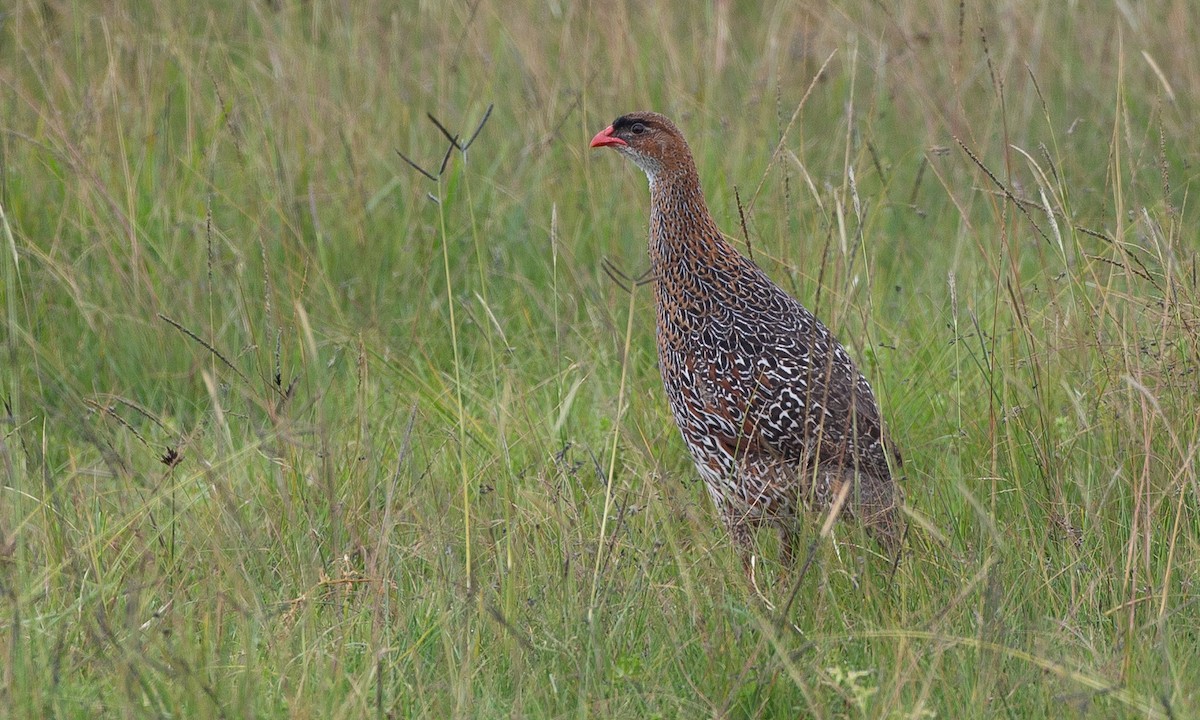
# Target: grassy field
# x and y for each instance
(291, 429)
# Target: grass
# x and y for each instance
(291, 429)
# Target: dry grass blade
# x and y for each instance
(203, 343)
(1004, 189)
(783, 135)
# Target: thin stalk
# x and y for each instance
(612, 455)
(608, 499)
(12, 284)
(458, 396)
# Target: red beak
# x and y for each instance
(605, 137)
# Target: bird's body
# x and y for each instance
(773, 410)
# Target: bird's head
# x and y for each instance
(650, 140)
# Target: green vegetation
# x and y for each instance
(291, 430)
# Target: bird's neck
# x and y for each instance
(682, 232)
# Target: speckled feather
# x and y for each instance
(773, 410)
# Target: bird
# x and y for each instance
(774, 412)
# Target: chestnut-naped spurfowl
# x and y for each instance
(773, 410)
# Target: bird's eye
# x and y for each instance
(638, 129)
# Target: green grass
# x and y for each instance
(291, 430)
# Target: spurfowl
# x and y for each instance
(771, 407)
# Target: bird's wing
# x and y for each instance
(809, 395)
